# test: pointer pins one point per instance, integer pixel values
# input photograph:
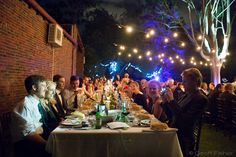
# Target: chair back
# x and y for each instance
(233, 111)
(197, 134)
(221, 112)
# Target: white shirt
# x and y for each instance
(81, 97)
(27, 118)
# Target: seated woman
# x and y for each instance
(49, 120)
(137, 95)
(154, 100)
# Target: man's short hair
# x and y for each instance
(194, 74)
(74, 78)
(33, 80)
(57, 77)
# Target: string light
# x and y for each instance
(148, 53)
(135, 50)
(175, 35)
(199, 37)
(129, 29)
(166, 40)
(139, 57)
(122, 47)
(152, 32)
(182, 44)
(199, 48)
(150, 58)
(147, 35)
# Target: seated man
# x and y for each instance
(188, 109)
(60, 96)
(77, 94)
(26, 127)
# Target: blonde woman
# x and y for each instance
(49, 120)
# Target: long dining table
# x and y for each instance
(104, 142)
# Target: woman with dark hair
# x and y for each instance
(137, 95)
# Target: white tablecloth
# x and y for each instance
(134, 142)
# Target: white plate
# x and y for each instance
(70, 122)
(145, 122)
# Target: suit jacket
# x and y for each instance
(186, 112)
(60, 106)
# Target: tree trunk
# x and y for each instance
(215, 73)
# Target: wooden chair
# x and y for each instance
(6, 146)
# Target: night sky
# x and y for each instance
(116, 8)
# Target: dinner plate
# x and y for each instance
(145, 122)
(69, 122)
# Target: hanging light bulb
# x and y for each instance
(129, 29)
(135, 50)
(199, 37)
(122, 47)
(151, 32)
(182, 44)
(147, 35)
(175, 34)
(166, 40)
(148, 53)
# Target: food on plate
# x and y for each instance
(158, 126)
(143, 115)
(135, 107)
(78, 114)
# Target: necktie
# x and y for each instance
(75, 102)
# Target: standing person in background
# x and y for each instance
(60, 96)
(204, 88)
(117, 80)
(211, 88)
(27, 127)
(143, 86)
(188, 109)
(170, 83)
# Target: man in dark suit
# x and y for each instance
(61, 106)
(187, 110)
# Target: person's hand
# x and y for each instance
(169, 95)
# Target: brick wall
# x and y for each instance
(24, 51)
